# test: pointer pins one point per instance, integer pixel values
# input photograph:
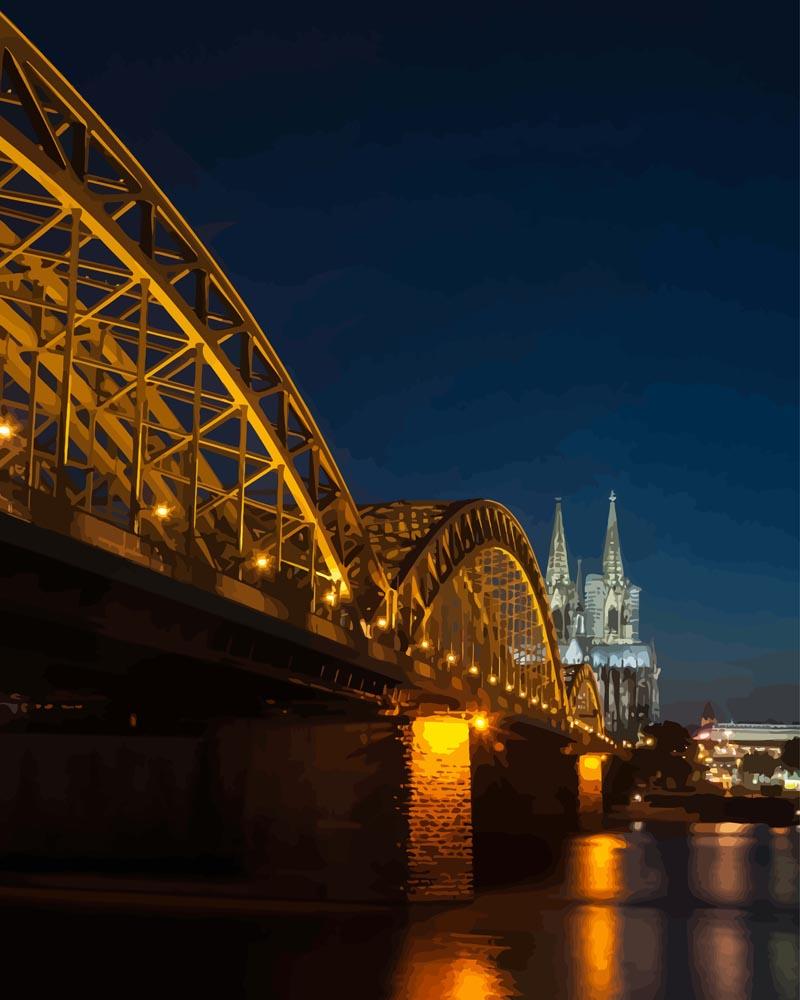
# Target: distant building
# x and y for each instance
(709, 716)
(730, 744)
(750, 737)
(598, 623)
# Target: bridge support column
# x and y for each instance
(339, 806)
(327, 808)
(438, 808)
(590, 784)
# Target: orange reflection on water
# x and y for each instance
(719, 868)
(593, 953)
(451, 968)
(721, 955)
(597, 867)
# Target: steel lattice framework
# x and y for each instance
(135, 382)
(470, 593)
(137, 388)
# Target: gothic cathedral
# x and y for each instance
(597, 622)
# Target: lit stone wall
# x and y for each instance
(438, 808)
(590, 783)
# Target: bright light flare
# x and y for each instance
(162, 511)
(480, 722)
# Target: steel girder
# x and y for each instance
(135, 383)
(584, 697)
(480, 552)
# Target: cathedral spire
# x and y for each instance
(612, 553)
(557, 562)
(580, 602)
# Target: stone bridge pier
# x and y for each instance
(338, 805)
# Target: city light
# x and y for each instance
(263, 562)
(492, 679)
(7, 429)
(480, 722)
(330, 597)
(425, 644)
(451, 658)
(381, 622)
(162, 511)
(474, 670)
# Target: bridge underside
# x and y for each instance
(82, 627)
(206, 645)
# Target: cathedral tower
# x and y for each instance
(599, 624)
(558, 579)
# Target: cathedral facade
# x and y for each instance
(597, 622)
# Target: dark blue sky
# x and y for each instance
(546, 250)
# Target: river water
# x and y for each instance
(708, 912)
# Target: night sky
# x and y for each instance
(546, 250)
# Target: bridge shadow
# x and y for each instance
(525, 804)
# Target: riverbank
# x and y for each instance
(689, 807)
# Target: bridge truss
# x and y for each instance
(137, 388)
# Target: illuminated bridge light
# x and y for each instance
(480, 722)
(490, 582)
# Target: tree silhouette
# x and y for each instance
(790, 757)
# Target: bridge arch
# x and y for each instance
(584, 698)
(470, 595)
(134, 382)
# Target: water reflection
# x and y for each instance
(783, 870)
(456, 967)
(608, 867)
(721, 955)
(720, 871)
(782, 950)
(593, 953)
(701, 915)
(596, 866)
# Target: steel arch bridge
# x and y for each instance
(139, 392)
